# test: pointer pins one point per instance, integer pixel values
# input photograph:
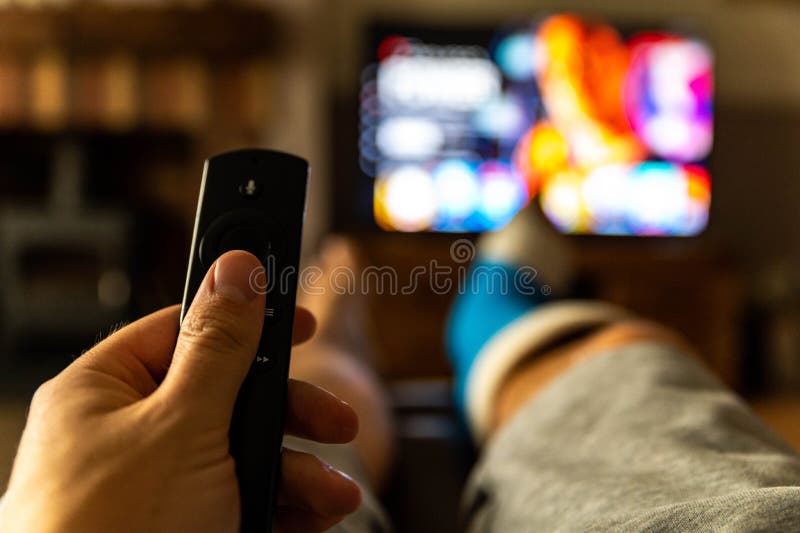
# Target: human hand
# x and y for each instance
(133, 435)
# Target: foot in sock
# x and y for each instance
(496, 322)
(490, 300)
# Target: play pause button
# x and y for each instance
(263, 362)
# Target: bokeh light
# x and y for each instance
(409, 137)
(668, 97)
(654, 198)
(457, 190)
(610, 131)
(502, 118)
(503, 192)
(548, 150)
(562, 201)
(519, 56)
(406, 199)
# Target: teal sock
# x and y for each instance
(493, 295)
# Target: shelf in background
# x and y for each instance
(215, 31)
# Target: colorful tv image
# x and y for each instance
(609, 132)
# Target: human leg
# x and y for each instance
(593, 419)
(335, 360)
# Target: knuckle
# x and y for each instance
(43, 394)
(213, 329)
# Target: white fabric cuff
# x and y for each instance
(543, 325)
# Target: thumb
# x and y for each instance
(218, 338)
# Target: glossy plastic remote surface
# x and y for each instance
(254, 200)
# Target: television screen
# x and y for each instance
(609, 131)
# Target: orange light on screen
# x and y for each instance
(699, 183)
(548, 149)
(592, 60)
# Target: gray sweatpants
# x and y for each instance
(638, 439)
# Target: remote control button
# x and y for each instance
(271, 314)
(263, 361)
(248, 238)
(250, 188)
(243, 229)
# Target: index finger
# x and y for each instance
(316, 414)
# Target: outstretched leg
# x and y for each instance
(337, 359)
(592, 419)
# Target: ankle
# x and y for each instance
(539, 369)
(528, 379)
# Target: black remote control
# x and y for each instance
(254, 200)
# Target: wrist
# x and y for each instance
(16, 517)
(28, 512)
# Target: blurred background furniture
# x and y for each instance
(63, 266)
(114, 109)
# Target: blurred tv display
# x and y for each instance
(609, 131)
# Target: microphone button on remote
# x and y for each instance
(250, 188)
